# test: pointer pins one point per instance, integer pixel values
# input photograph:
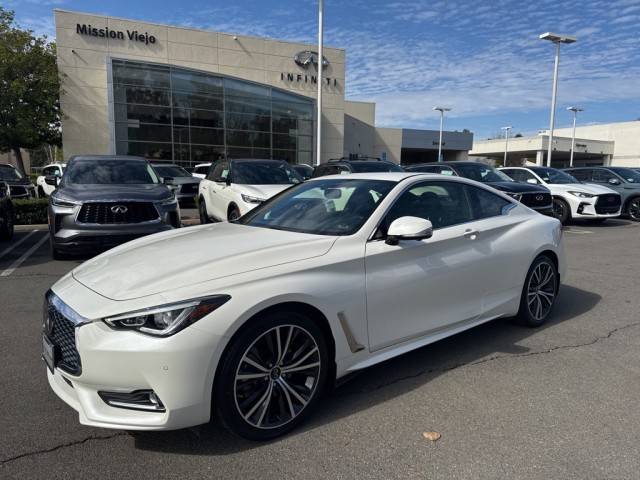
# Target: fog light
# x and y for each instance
(146, 400)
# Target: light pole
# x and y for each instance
(320, 66)
(557, 40)
(575, 111)
(441, 110)
(506, 143)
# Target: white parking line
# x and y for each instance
(579, 232)
(26, 255)
(11, 247)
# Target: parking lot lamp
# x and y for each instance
(320, 66)
(507, 130)
(557, 40)
(575, 111)
(441, 110)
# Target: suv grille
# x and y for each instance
(608, 203)
(18, 191)
(536, 200)
(189, 188)
(63, 336)
(105, 213)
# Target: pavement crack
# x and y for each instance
(494, 358)
(74, 443)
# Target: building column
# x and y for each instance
(540, 158)
(607, 160)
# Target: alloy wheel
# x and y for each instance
(277, 376)
(634, 209)
(541, 290)
(558, 209)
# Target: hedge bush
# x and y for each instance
(30, 212)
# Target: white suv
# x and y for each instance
(53, 169)
(571, 198)
(233, 187)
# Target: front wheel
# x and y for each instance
(202, 211)
(561, 210)
(539, 292)
(272, 375)
(633, 209)
(233, 214)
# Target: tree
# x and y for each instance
(29, 89)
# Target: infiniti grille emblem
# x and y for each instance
(119, 209)
(539, 198)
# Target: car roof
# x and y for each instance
(390, 176)
(207, 164)
(160, 164)
(268, 160)
(107, 157)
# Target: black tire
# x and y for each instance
(633, 209)
(202, 211)
(289, 397)
(538, 293)
(233, 213)
(561, 210)
(41, 193)
(6, 231)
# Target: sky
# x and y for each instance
(484, 60)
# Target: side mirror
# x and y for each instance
(408, 228)
(51, 180)
(532, 180)
(614, 181)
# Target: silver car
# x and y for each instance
(183, 184)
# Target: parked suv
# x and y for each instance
(183, 184)
(355, 165)
(571, 198)
(18, 184)
(52, 170)
(536, 197)
(625, 181)
(103, 201)
(233, 187)
(6, 213)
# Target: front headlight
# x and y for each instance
(168, 201)
(60, 202)
(582, 194)
(168, 319)
(252, 199)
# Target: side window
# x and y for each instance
(582, 175)
(515, 174)
(443, 203)
(602, 176)
(484, 203)
(48, 171)
(528, 177)
(219, 171)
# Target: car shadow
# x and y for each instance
(608, 223)
(384, 381)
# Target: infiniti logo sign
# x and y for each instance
(308, 57)
(119, 209)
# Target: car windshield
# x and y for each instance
(628, 174)
(321, 207)
(7, 172)
(111, 171)
(481, 173)
(553, 176)
(256, 172)
(364, 167)
(171, 171)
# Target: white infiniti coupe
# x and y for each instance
(259, 316)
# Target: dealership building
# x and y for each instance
(190, 96)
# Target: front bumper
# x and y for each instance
(179, 369)
(586, 208)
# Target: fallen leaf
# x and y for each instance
(432, 436)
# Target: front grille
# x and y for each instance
(189, 188)
(17, 191)
(536, 200)
(608, 203)
(105, 213)
(62, 334)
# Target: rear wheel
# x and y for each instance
(202, 211)
(633, 209)
(272, 376)
(561, 210)
(539, 292)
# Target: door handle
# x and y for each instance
(471, 234)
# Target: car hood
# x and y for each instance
(185, 180)
(97, 193)
(517, 187)
(591, 188)
(261, 191)
(22, 182)
(188, 256)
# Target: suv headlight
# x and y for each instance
(252, 199)
(168, 201)
(60, 202)
(582, 194)
(166, 320)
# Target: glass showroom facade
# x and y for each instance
(165, 113)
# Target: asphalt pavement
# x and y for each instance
(509, 402)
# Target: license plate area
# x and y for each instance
(49, 351)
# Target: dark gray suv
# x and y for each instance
(625, 181)
(103, 201)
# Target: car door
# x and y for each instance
(421, 286)
(217, 183)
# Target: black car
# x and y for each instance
(19, 185)
(6, 213)
(355, 165)
(536, 197)
(103, 201)
(183, 184)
